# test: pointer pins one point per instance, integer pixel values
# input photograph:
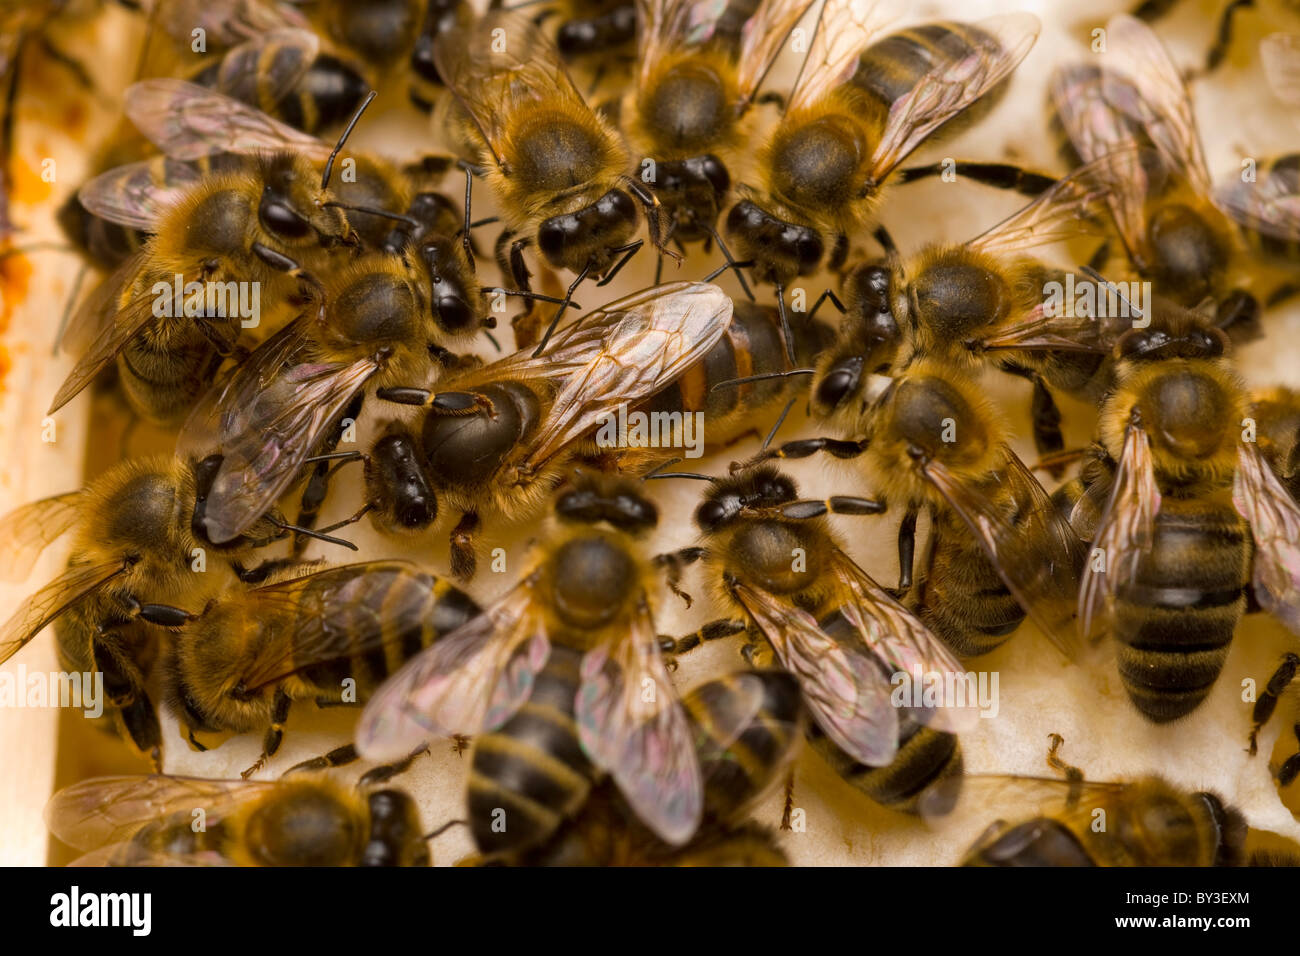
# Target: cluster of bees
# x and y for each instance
(609, 134)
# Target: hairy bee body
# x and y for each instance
(1148, 823)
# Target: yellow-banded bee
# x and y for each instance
(774, 560)
(1191, 504)
(150, 821)
(243, 661)
(586, 590)
(688, 113)
(559, 170)
(137, 535)
(496, 439)
(859, 107)
(1191, 239)
(173, 311)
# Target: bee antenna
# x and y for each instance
(763, 377)
(372, 211)
(318, 535)
(731, 263)
(1096, 276)
(777, 427)
(679, 474)
(434, 834)
(655, 470)
(343, 138)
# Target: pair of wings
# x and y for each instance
(844, 683)
(225, 22)
(188, 122)
(272, 411)
(666, 27)
(1136, 97)
(630, 720)
(103, 814)
(1034, 550)
(847, 27)
(1127, 527)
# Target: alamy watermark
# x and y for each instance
(624, 429)
(241, 300)
(1087, 298)
(42, 689)
(958, 690)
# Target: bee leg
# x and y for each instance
(1099, 258)
(1238, 313)
(564, 306)
(1048, 439)
(518, 267)
(834, 300)
(313, 495)
(758, 654)
(466, 239)
(338, 757)
(837, 504)
(804, 447)
(194, 742)
(1290, 768)
(386, 772)
(997, 175)
(673, 562)
(714, 630)
(124, 687)
(1223, 38)
(274, 733)
(788, 811)
(906, 551)
(278, 260)
(1267, 702)
(463, 561)
(628, 251)
(839, 253)
(1072, 774)
(259, 573)
(460, 743)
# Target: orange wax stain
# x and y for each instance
(28, 187)
(15, 277)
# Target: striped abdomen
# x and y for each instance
(530, 774)
(1274, 179)
(326, 94)
(739, 773)
(448, 608)
(1173, 623)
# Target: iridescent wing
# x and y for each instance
(844, 688)
(187, 121)
(1097, 129)
(472, 680)
(1270, 205)
(899, 639)
(1032, 546)
(664, 27)
(632, 724)
(844, 28)
(1274, 519)
(29, 530)
(1141, 81)
(265, 420)
(502, 65)
(762, 39)
(952, 86)
(1280, 55)
(107, 811)
(345, 611)
(130, 195)
(1125, 531)
(620, 354)
(45, 606)
(1061, 329)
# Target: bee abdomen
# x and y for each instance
(964, 600)
(531, 774)
(1174, 622)
(925, 758)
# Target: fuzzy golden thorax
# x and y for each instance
(687, 108)
(1191, 411)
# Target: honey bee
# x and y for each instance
(586, 590)
(137, 533)
(242, 662)
(1190, 504)
(596, 34)
(149, 821)
(267, 214)
(558, 170)
(698, 77)
(1192, 240)
(776, 562)
(1148, 822)
(497, 439)
(858, 108)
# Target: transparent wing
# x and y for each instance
(1072, 330)
(1280, 55)
(344, 611)
(632, 723)
(1074, 206)
(1033, 547)
(620, 354)
(131, 196)
(227, 22)
(107, 811)
(952, 86)
(725, 707)
(29, 530)
(844, 28)
(500, 66)
(665, 26)
(1124, 532)
(1141, 81)
(1274, 519)
(848, 695)
(1270, 205)
(187, 121)
(896, 636)
(471, 680)
(43, 607)
(762, 40)
(1028, 796)
(265, 420)
(1096, 129)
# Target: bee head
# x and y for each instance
(582, 238)
(781, 250)
(763, 486)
